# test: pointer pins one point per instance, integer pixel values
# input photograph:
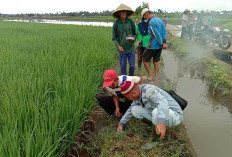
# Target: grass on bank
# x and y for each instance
(49, 77)
(106, 142)
(220, 77)
(177, 45)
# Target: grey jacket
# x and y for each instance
(154, 97)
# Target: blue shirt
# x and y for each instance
(157, 29)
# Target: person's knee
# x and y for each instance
(99, 98)
(154, 116)
(174, 118)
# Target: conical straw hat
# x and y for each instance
(122, 7)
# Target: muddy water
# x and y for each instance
(208, 122)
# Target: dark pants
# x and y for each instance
(107, 103)
(140, 51)
(184, 32)
(190, 31)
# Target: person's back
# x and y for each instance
(184, 22)
(159, 26)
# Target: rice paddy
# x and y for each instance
(49, 77)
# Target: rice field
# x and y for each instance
(49, 77)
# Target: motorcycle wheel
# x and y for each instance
(225, 43)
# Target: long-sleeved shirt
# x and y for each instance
(184, 22)
(154, 97)
(157, 32)
(121, 30)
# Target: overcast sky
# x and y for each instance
(53, 6)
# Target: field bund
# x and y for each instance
(50, 75)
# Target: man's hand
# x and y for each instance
(119, 129)
(120, 48)
(160, 130)
(117, 112)
(165, 46)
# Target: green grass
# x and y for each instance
(220, 77)
(49, 77)
(178, 45)
(105, 142)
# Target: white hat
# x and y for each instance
(144, 11)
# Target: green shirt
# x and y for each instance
(121, 30)
(139, 37)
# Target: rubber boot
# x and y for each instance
(151, 144)
(139, 66)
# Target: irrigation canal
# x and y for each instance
(208, 122)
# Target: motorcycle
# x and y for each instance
(211, 35)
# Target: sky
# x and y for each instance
(53, 6)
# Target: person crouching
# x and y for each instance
(151, 104)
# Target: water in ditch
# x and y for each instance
(208, 122)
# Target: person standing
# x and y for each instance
(191, 20)
(207, 21)
(143, 39)
(165, 20)
(157, 40)
(123, 36)
(184, 23)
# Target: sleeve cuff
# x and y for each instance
(164, 41)
(161, 120)
(121, 124)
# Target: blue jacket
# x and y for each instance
(157, 29)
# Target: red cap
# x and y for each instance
(109, 76)
(127, 87)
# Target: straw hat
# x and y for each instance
(122, 7)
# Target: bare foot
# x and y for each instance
(147, 77)
(156, 79)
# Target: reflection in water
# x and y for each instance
(208, 122)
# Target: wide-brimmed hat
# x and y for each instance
(122, 7)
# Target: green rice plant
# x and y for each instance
(49, 77)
